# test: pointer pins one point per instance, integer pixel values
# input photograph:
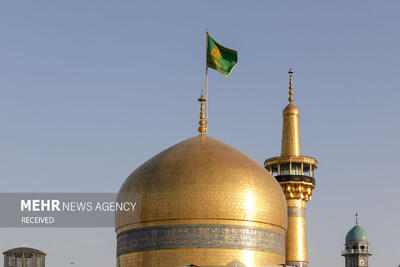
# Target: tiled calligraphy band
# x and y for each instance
(296, 212)
(200, 236)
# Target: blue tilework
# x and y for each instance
(356, 235)
(200, 236)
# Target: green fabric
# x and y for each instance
(220, 58)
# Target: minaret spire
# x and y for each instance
(356, 218)
(290, 85)
(202, 122)
(290, 130)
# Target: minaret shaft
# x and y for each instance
(295, 173)
(290, 133)
(296, 236)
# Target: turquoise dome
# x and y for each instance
(356, 234)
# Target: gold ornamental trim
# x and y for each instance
(288, 159)
(297, 190)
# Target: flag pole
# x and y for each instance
(206, 80)
(206, 96)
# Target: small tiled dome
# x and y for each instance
(356, 234)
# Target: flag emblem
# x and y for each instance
(219, 57)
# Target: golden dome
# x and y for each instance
(207, 199)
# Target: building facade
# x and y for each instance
(24, 257)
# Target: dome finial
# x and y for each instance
(290, 85)
(202, 122)
(356, 218)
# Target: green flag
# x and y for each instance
(220, 58)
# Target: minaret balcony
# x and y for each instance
(300, 167)
(366, 251)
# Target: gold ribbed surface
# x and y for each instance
(296, 236)
(293, 202)
(202, 181)
(290, 132)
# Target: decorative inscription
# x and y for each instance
(296, 212)
(200, 236)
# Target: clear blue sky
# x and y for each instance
(89, 90)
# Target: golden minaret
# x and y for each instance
(295, 173)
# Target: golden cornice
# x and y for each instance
(297, 190)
